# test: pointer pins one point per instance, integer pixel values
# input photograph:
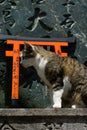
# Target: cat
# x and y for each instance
(65, 77)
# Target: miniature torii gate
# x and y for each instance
(15, 53)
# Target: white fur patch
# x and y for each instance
(57, 98)
(41, 62)
(40, 67)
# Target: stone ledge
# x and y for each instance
(44, 112)
(43, 119)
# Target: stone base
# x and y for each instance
(43, 119)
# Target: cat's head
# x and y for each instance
(28, 51)
(29, 54)
(32, 54)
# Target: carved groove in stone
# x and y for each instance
(7, 127)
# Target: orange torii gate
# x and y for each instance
(15, 53)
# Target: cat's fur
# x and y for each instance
(65, 77)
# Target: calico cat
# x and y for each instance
(65, 77)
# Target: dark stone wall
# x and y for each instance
(46, 18)
(41, 18)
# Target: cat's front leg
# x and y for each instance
(57, 98)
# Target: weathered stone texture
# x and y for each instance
(41, 119)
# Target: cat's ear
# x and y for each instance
(28, 46)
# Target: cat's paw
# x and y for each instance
(74, 106)
(57, 106)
